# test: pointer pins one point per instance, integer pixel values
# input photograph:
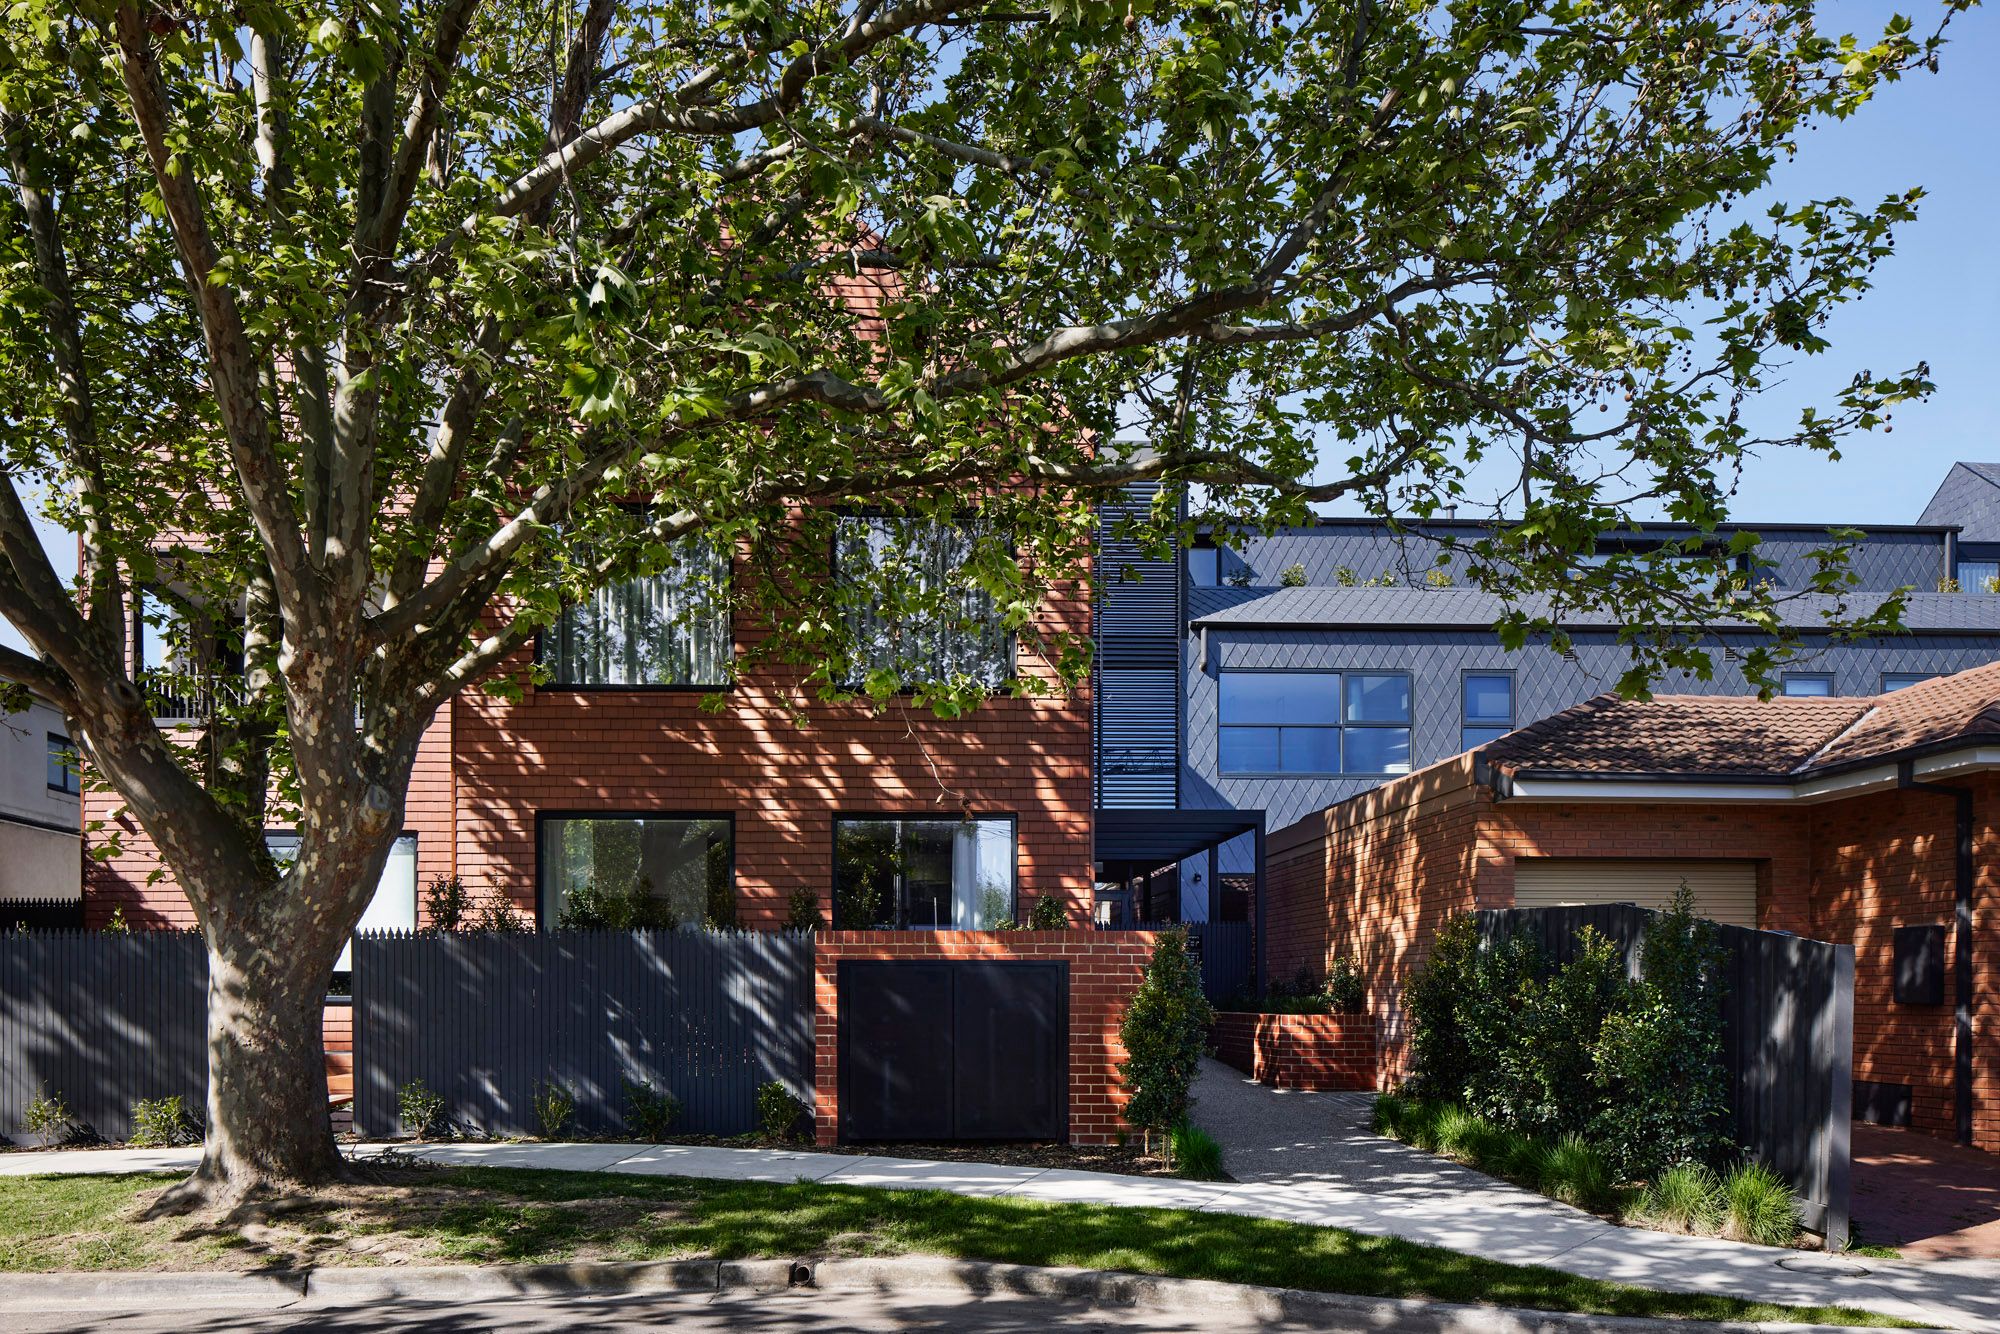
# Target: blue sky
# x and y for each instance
(1936, 300)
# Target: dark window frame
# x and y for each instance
(833, 571)
(841, 817)
(71, 762)
(1914, 679)
(1340, 675)
(1466, 723)
(1786, 678)
(619, 813)
(556, 687)
(1208, 548)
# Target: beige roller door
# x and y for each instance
(1724, 891)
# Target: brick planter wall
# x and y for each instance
(1320, 1052)
(1104, 970)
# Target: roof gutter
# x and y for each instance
(1907, 780)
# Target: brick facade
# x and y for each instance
(1373, 878)
(1104, 970)
(1319, 1052)
(777, 762)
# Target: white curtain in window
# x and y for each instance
(919, 559)
(982, 874)
(671, 628)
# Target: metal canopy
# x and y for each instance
(1157, 838)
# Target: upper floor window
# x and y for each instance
(1486, 707)
(665, 629)
(918, 616)
(64, 775)
(1809, 685)
(1204, 566)
(1979, 576)
(954, 875)
(1898, 680)
(1313, 722)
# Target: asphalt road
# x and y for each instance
(779, 1313)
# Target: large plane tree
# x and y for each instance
(362, 337)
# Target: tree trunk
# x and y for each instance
(268, 1128)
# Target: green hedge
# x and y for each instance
(1633, 1067)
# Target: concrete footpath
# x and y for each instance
(1496, 1221)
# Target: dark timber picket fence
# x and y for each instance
(101, 1019)
(1788, 1041)
(483, 1019)
(1224, 950)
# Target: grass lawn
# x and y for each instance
(502, 1215)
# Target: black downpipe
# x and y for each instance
(1961, 962)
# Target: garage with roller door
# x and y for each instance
(1724, 891)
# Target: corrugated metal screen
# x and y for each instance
(1724, 891)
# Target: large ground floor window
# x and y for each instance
(622, 871)
(394, 907)
(952, 875)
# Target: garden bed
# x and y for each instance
(1318, 1052)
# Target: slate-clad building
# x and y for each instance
(1296, 695)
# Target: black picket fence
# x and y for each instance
(483, 1020)
(101, 1020)
(1788, 1041)
(41, 914)
(1227, 970)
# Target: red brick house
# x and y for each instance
(1873, 820)
(615, 768)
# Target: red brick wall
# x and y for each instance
(1887, 860)
(781, 763)
(1321, 1052)
(1371, 880)
(1104, 970)
(126, 880)
(1374, 878)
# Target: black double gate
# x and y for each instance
(954, 1050)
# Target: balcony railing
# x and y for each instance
(188, 697)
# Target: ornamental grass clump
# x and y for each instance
(1759, 1207)
(1195, 1153)
(1165, 1032)
(1684, 1198)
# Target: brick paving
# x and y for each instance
(1932, 1199)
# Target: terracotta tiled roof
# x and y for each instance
(1699, 736)
(1678, 734)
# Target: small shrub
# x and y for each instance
(1684, 1198)
(1575, 1172)
(1440, 1052)
(1759, 1207)
(588, 907)
(1165, 1031)
(555, 1107)
(1345, 991)
(650, 1113)
(48, 1118)
(423, 1111)
(159, 1123)
(718, 912)
(778, 1112)
(1048, 914)
(997, 912)
(499, 916)
(802, 910)
(1293, 576)
(1194, 1153)
(446, 902)
(117, 924)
